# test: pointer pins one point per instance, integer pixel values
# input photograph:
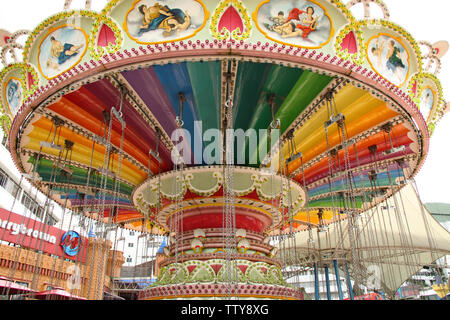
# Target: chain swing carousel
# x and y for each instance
(247, 134)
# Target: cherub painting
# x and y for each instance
(277, 21)
(162, 17)
(61, 50)
(389, 58)
(427, 102)
(298, 22)
(60, 53)
(150, 21)
(14, 95)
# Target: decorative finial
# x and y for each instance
(8, 44)
(434, 54)
(68, 3)
(366, 4)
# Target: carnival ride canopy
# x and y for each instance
(66, 138)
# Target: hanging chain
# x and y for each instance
(229, 214)
(177, 220)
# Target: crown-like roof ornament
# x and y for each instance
(366, 4)
(68, 3)
(9, 44)
(433, 54)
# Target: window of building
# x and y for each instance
(13, 188)
(32, 205)
(129, 259)
(8, 184)
(131, 233)
(26, 200)
(38, 211)
(3, 178)
(130, 245)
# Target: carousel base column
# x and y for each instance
(201, 270)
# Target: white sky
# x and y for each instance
(425, 20)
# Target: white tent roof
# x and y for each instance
(394, 242)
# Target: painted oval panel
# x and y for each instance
(149, 21)
(389, 58)
(299, 23)
(13, 95)
(61, 49)
(427, 102)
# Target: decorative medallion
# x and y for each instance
(106, 37)
(243, 246)
(349, 42)
(197, 246)
(231, 20)
(71, 243)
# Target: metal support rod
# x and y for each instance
(316, 282)
(181, 100)
(327, 281)
(349, 283)
(338, 280)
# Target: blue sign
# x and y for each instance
(71, 242)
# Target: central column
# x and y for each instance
(198, 268)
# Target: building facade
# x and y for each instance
(41, 251)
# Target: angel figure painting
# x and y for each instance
(389, 58)
(150, 21)
(427, 102)
(13, 95)
(61, 50)
(296, 22)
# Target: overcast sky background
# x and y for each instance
(424, 20)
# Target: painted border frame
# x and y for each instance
(435, 105)
(133, 6)
(398, 39)
(50, 31)
(332, 30)
(5, 83)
